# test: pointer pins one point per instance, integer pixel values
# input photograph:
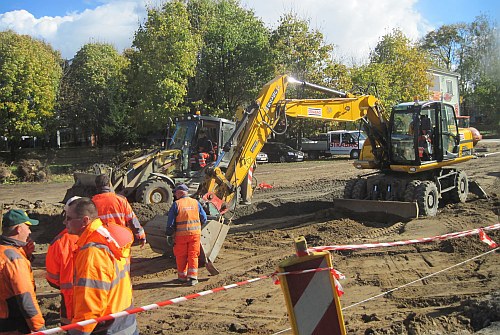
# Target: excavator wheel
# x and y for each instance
(427, 197)
(359, 189)
(348, 188)
(154, 192)
(461, 190)
(409, 195)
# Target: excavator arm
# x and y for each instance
(272, 108)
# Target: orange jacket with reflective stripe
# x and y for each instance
(187, 221)
(19, 308)
(102, 278)
(59, 265)
(114, 208)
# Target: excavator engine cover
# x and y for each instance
(213, 234)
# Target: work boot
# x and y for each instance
(192, 281)
(181, 280)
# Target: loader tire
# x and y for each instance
(348, 188)
(154, 192)
(427, 198)
(409, 195)
(461, 190)
(359, 189)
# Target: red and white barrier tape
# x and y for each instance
(336, 274)
(479, 231)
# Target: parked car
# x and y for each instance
(262, 158)
(280, 152)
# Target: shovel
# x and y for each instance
(208, 263)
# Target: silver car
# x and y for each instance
(262, 157)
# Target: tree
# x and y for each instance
(480, 72)
(30, 71)
(445, 45)
(94, 89)
(235, 58)
(162, 59)
(302, 53)
(397, 68)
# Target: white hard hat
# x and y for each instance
(70, 200)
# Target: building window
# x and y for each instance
(449, 86)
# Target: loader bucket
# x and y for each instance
(213, 235)
(375, 209)
(84, 186)
(84, 179)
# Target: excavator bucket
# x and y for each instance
(389, 210)
(213, 234)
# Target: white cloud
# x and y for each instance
(353, 26)
(114, 22)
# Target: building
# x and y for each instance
(445, 87)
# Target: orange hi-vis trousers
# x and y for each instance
(187, 251)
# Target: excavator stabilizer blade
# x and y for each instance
(369, 208)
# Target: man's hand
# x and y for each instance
(170, 241)
(29, 248)
(141, 239)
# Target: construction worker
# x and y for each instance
(102, 282)
(185, 218)
(205, 149)
(19, 310)
(114, 208)
(59, 266)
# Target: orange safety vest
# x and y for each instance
(114, 208)
(59, 266)
(102, 282)
(187, 221)
(19, 310)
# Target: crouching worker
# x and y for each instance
(102, 282)
(19, 310)
(185, 218)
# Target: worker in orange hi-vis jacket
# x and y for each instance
(114, 208)
(59, 266)
(185, 218)
(19, 310)
(102, 284)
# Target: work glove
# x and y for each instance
(170, 241)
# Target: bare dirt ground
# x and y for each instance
(462, 300)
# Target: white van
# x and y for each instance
(336, 142)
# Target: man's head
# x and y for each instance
(102, 181)
(180, 191)
(15, 224)
(79, 214)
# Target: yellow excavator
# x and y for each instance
(411, 152)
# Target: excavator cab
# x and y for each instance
(422, 133)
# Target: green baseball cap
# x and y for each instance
(17, 216)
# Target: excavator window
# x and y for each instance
(402, 136)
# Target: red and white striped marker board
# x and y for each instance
(311, 299)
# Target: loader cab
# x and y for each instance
(423, 132)
(188, 132)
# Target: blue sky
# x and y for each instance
(354, 27)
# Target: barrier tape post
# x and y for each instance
(311, 298)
